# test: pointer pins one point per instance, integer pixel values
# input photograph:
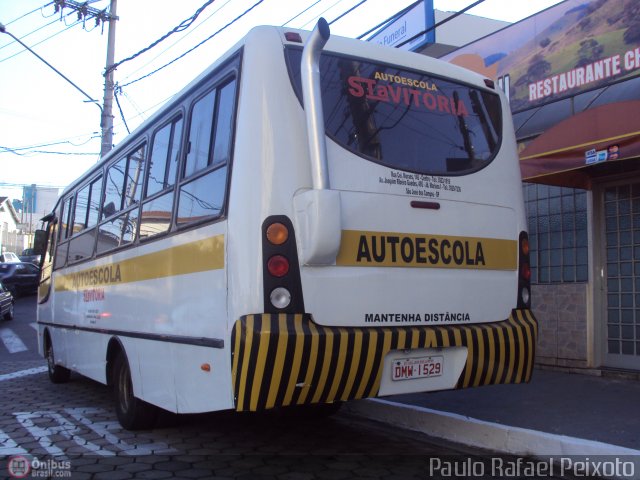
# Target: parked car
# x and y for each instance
(9, 257)
(6, 303)
(20, 278)
(29, 255)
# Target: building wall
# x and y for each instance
(465, 28)
(561, 310)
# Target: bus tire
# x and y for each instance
(133, 413)
(57, 373)
(315, 411)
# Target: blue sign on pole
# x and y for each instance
(29, 199)
(412, 24)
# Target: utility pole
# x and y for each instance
(85, 12)
(106, 122)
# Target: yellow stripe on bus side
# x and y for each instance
(387, 249)
(193, 257)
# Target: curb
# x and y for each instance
(481, 434)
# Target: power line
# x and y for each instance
(196, 46)
(322, 13)
(50, 144)
(30, 33)
(4, 30)
(433, 27)
(32, 152)
(129, 75)
(388, 20)
(347, 12)
(40, 42)
(124, 120)
(302, 12)
(29, 13)
(181, 26)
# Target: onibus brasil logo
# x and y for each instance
(20, 466)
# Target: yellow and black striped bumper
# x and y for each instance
(287, 359)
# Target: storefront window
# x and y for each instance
(557, 218)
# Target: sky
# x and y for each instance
(50, 132)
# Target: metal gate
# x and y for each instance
(622, 274)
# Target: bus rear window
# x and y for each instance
(405, 119)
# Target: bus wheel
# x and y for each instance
(133, 413)
(57, 373)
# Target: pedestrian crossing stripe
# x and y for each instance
(12, 341)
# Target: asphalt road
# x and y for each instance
(71, 431)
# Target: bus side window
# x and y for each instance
(64, 232)
(81, 246)
(156, 213)
(122, 194)
(67, 207)
(114, 188)
(164, 158)
(80, 215)
(211, 126)
(95, 198)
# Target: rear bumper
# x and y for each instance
(287, 359)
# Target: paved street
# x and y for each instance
(75, 423)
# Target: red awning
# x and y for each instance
(598, 142)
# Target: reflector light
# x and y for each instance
(278, 266)
(526, 296)
(280, 298)
(277, 233)
(524, 245)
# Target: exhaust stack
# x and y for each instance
(318, 210)
(312, 98)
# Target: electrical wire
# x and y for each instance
(51, 144)
(389, 20)
(347, 12)
(322, 13)
(302, 12)
(433, 27)
(196, 46)
(28, 13)
(32, 152)
(181, 26)
(124, 120)
(30, 33)
(40, 42)
(191, 31)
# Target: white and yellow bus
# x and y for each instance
(312, 220)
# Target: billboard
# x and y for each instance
(574, 46)
(412, 23)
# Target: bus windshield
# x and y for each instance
(405, 119)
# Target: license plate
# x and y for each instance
(423, 367)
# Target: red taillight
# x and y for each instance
(278, 266)
(525, 271)
(524, 280)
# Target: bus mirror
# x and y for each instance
(40, 242)
(108, 210)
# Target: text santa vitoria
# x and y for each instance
(446, 317)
